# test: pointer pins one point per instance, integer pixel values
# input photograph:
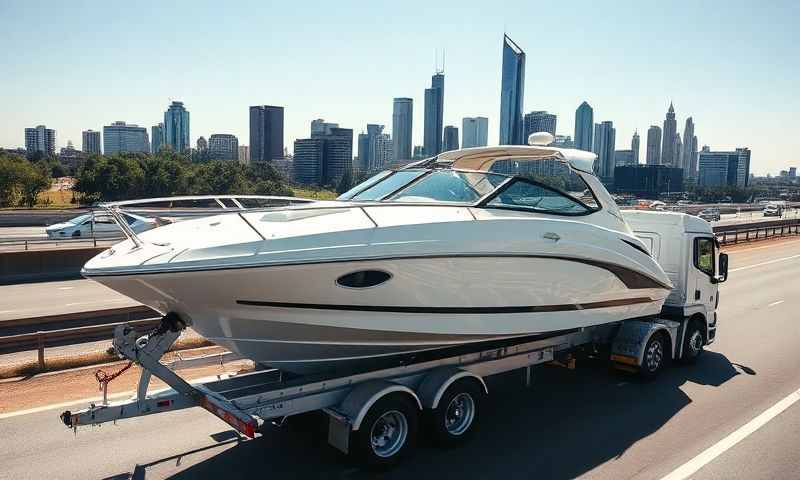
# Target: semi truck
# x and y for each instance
(377, 415)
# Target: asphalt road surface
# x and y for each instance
(586, 423)
(54, 298)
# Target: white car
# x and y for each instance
(103, 225)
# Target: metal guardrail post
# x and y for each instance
(40, 348)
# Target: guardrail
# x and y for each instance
(732, 234)
(66, 336)
(76, 242)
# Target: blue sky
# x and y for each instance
(732, 65)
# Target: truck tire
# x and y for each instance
(655, 355)
(388, 432)
(693, 343)
(455, 420)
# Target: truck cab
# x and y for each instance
(688, 251)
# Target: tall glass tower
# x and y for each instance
(402, 116)
(511, 94)
(584, 124)
(176, 127)
(434, 115)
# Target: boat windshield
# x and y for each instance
(450, 186)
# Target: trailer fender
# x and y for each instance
(358, 402)
(436, 383)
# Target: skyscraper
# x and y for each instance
(120, 137)
(366, 148)
(538, 121)
(604, 146)
(266, 133)
(176, 127)
(635, 146)
(338, 155)
(474, 132)
(321, 127)
(223, 146)
(584, 124)
(308, 160)
(668, 154)
(380, 152)
(402, 116)
(40, 139)
(244, 154)
(653, 145)
(512, 93)
(202, 144)
(678, 149)
(363, 153)
(91, 142)
(687, 155)
(434, 115)
(724, 168)
(157, 138)
(693, 159)
(450, 138)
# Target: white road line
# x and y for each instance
(775, 303)
(764, 263)
(698, 462)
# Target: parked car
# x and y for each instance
(709, 214)
(99, 224)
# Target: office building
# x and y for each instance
(635, 146)
(647, 181)
(624, 158)
(321, 127)
(603, 143)
(538, 121)
(367, 161)
(584, 127)
(202, 144)
(474, 132)
(693, 159)
(244, 154)
(402, 121)
(91, 142)
(120, 137)
(653, 145)
(176, 127)
(323, 159)
(40, 139)
(724, 168)
(266, 133)
(687, 150)
(223, 146)
(71, 158)
(156, 138)
(668, 153)
(434, 115)
(678, 149)
(380, 152)
(563, 141)
(419, 152)
(512, 91)
(450, 138)
(792, 172)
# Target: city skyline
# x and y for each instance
(91, 95)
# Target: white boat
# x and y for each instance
(438, 254)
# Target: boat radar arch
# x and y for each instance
(540, 138)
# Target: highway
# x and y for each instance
(53, 298)
(585, 423)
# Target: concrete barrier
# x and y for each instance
(44, 265)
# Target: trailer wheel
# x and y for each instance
(455, 419)
(655, 355)
(388, 432)
(692, 343)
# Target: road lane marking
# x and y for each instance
(692, 466)
(764, 263)
(775, 303)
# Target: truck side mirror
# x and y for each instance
(723, 267)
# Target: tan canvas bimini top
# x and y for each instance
(482, 158)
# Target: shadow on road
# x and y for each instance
(568, 423)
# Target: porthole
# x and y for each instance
(363, 279)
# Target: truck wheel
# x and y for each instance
(455, 419)
(655, 354)
(692, 343)
(388, 432)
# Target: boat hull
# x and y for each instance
(300, 318)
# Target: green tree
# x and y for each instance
(33, 181)
(346, 183)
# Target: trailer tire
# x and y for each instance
(455, 420)
(388, 432)
(655, 355)
(693, 342)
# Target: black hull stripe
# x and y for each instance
(632, 279)
(452, 310)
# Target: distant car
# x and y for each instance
(103, 225)
(709, 214)
(773, 210)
